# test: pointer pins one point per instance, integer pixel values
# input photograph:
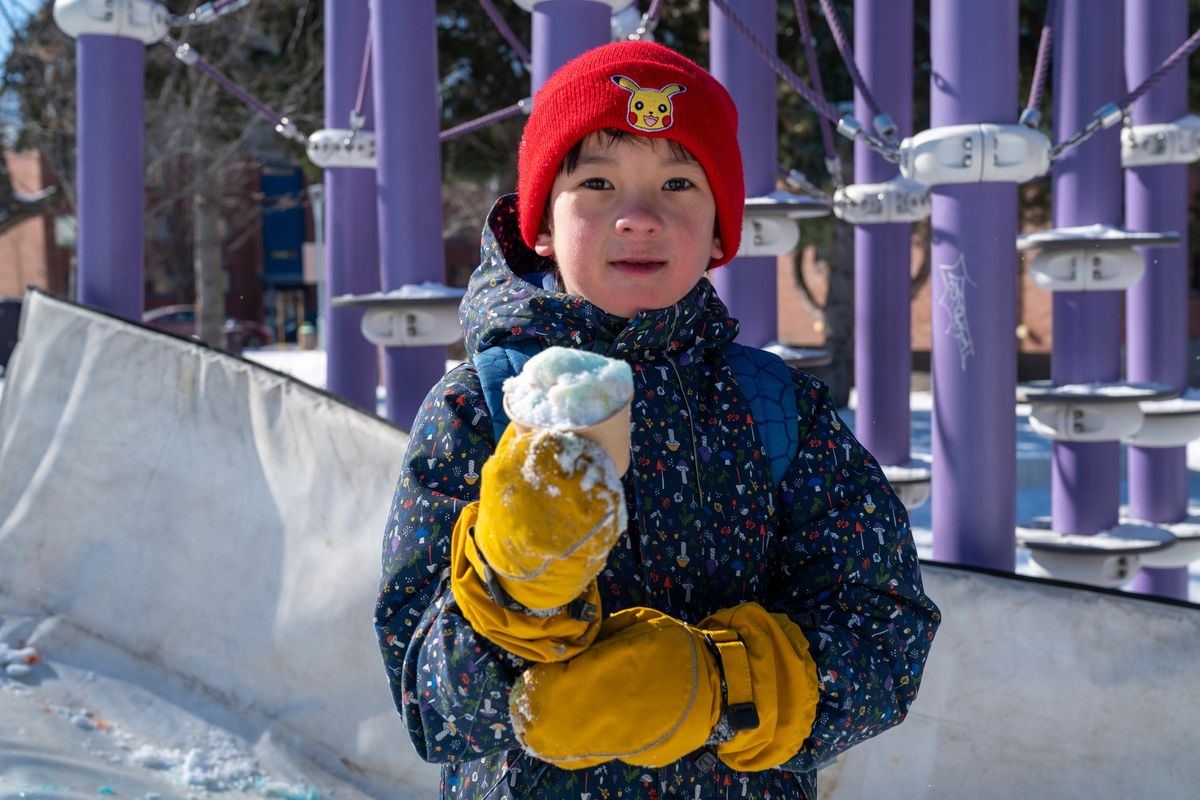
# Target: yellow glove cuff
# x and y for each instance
(541, 638)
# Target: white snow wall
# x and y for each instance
(1041, 690)
(209, 516)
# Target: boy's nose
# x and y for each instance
(639, 219)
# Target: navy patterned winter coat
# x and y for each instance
(708, 529)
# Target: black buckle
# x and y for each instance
(582, 610)
(578, 609)
(742, 716)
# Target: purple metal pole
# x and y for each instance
(1156, 306)
(562, 29)
(882, 257)
(748, 284)
(410, 181)
(351, 243)
(110, 173)
(974, 55)
(1086, 480)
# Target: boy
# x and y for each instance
(724, 627)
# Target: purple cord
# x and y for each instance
(188, 55)
(1045, 45)
(1111, 113)
(1184, 50)
(236, 90)
(361, 100)
(810, 57)
(506, 31)
(482, 122)
(791, 78)
(843, 46)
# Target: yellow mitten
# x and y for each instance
(526, 555)
(647, 692)
(651, 689)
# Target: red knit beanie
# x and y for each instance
(645, 89)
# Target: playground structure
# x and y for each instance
(381, 155)
(1120, 128)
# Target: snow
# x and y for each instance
(1186, 403)
(1104, 389)
(1087, 237)
(427, 290)
(568, 389)
(87, 719)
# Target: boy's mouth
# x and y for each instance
(637, 264)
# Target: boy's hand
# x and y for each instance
(527, 554)
(649, 691)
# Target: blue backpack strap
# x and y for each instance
(767, 383)
(494, 366)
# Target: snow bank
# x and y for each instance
(209, 517)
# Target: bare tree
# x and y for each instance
(194, 133)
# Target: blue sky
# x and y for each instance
(13, 12)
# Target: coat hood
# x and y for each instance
(506, 305)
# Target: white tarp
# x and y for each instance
(208, 516)
(1039, 690)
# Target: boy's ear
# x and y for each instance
(718, 252)
(544, 244)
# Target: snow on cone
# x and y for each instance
(578, 392)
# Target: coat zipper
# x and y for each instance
(692, 426)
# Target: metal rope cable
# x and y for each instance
(1032, 116)
(207, 13)
(1110, 114)
(1181, 54)
(847, 126)
(832, 162)
(498, 20)
(799, 181)
(519, 107)
(357, 117)
(843, 46)
(188, 55)
(649, 22)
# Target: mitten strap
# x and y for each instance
(578, 609)
(739, 713)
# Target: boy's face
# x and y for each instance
(632, 227)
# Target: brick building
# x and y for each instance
(29, 255)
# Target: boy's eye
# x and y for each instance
(596, 183)
(677, 184)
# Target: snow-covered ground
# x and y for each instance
(79, 718)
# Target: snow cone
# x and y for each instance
(577, 392)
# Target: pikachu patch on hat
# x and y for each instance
(649, 109)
